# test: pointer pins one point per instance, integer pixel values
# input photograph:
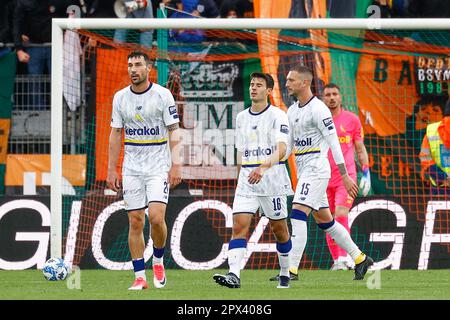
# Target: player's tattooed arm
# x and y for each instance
(342, 169)
(112, 179)
(175, 150)
(173, 127)
(350, 185)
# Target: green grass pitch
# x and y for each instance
(198, 285)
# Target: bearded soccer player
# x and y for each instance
(313, 133)
(350, 135)
(262, 137)
(146, 112)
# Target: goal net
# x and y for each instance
(393, 77)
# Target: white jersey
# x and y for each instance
(257, 135)
(145, 117)
(310, 124)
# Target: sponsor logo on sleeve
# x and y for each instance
(327, 122)
(172, 110)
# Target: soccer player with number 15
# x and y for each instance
(313, 133)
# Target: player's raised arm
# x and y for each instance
(112, 180)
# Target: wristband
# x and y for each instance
(365, 168)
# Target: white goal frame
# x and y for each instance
(59, 25)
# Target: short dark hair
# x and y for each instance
(270, 83)
(137, 54)
(435, 100)
(302, 69)
(332, 85)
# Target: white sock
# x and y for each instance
(299, 237)
(235, 257)
(140, 274)
(341, 236)
(284, 257)
(157, 260)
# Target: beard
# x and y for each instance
(138, 81)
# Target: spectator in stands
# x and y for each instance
(435, 154)
(428, 9)
(103, 9)
(342, 9)
(206, 8)
(244, 8)
(136, 9)
(32, 25)
(425, 9)
(413, 8)
(193, 9)
(169, 4)
(199, 8)
(94, 8)
(219, 3)
(32, 32)
(428, 109)
(232, 13)
(6, 13)
(391, 9)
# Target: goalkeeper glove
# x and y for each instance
(365, 183)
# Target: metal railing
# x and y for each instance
(31, 116)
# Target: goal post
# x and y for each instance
(59, 26)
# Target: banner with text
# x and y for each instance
(396, 234)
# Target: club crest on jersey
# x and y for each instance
(327, 122)
(138, 107)
(142, 131)
(172, 110)
(138, 117)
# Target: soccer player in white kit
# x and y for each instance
(262, 137)
(146, 112)
(312, 134)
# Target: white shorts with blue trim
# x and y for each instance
(139, 191)
(312, 192)
(273, 207)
